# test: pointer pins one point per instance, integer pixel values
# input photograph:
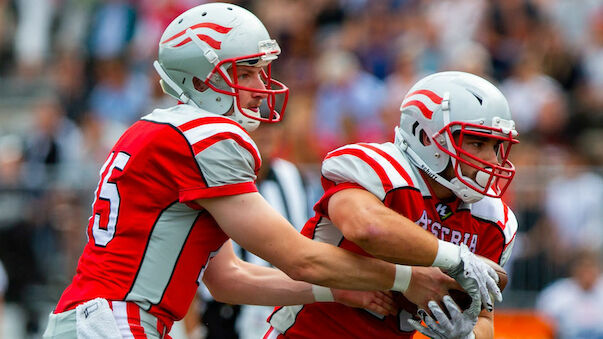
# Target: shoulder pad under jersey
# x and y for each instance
(224, 151)
(499, 213)
(378, 168)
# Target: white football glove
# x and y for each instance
(478, 279)
(459, 326)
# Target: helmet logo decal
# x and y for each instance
(417, 99)
(209, 40)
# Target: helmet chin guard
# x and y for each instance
(250, 124)
(465, 192)
(438, 113)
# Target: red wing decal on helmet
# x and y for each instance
(210, 41)
(418, 102)
(213, 43)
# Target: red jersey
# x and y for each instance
(487, 227)
(148, 241)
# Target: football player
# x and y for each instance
(445, 173)
(180, 182)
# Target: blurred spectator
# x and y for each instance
(53, 146)
(18, 230)
(572, 19)
(591, 100)
(12, 204)
(111, 28)
(533, 263)
(3, 287)
(536, 100)
(300, 145)
(423, 36)
(508, 25)
(73, 19)
(7, 26)
(373, 36)
(574, 303)
(558, 60)
(590, 141)
(153, 17)
(121, 93)
(68, 78)
(455, 20)
(67, 212)
(471, 57)
(32, 37)
(348, 102)
(572, 204)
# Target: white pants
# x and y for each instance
(63, 325)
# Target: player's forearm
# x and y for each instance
(484, 329)
(327, 265)
(258, 285)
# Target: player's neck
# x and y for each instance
(437, 189)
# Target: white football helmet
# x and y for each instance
(448, 105)
(207, 40)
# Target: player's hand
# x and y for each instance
(458, 326)
(380, 302)
(478, 279)
(428, 283)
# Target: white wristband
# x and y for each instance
(322, 294)
(402, 280)
(448, 256)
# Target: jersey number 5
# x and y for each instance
(108, 192)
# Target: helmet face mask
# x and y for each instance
(491, 179)
(209, 42)
(272, 88)
(443, 110)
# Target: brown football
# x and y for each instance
(460, 297)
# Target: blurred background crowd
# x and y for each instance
(74, 74)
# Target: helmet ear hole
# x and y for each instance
(423, 138)
(199, 85)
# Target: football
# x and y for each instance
(460, 297)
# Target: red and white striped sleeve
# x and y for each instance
(372, 167)
(225, 153)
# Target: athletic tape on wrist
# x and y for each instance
(402, 280)
(322, 294)
(448, 256)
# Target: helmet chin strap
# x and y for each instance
(166, 81)
(460, 189)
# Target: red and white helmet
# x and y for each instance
(443, 105)
(207, 40)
